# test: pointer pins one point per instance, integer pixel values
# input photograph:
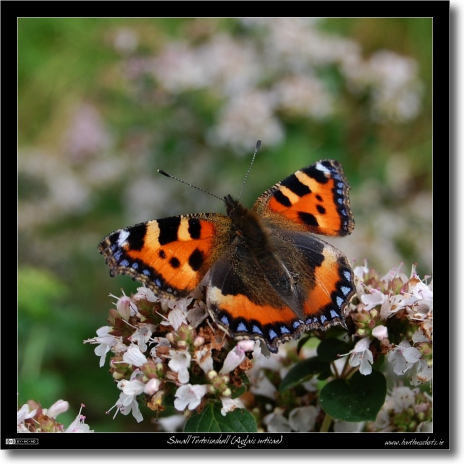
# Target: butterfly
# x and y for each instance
(270, 278)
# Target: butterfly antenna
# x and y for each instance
(258, 145)
(190, 185)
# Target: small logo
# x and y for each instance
(22, 441)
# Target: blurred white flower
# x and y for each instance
(362, 356)
(24, 413)
(125, 40)
(303, 419)
(189, 396)
(380, 332)
(234, 358)
(246, 118)
(276, 422)
(134, 356)
(56, 408)
(78, 425)
(403, 357)
(303, 95)
(180, 362)
(86, 135)
(229, 404)
(105, 341)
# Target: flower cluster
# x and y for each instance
(160, 354)
(255, 105)
(297, 410)
(33, 418)
(405, 410)
(393, 316)
(166, 352)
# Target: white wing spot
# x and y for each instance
(123, 235)
(322, 168)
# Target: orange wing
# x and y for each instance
(241, 300)
(172, 255)
(313, 199)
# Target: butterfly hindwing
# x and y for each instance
(245, 305)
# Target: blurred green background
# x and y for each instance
(104, 103)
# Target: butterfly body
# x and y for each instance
(269, 277)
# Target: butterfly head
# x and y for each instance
(234, 208)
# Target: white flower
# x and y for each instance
(134, 356)
(142, 335)
(419, 336)
(375, 298)
(311, 385)
(172, 423)
(180, 362)
(234, 358)
(120, 346)
(264, 387)
(106, 342)
(380, 332)
(152, 386)
(24, 413)
(403, 357)
(189, 396)
(56, 408)
(176, 318)
(204, 359)
(247, 345)
(402, 398)
(127, 401)
(127, 404)
(362, 356)
(144, 293)
(229, 404)
(303, 419)
(131, 387)
(423, 373)
(360, 271)
(393, 274)
(78, 426)
(391, 305)
(276, 422)
(422, 292)
(125, 307)
(182, 304)
(197, 314)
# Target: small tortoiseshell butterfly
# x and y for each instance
(270, 278)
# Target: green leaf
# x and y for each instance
(302, 371)
(357, 399)
(238, 391)
(330, 349)
(211, 420)
(301, 342)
